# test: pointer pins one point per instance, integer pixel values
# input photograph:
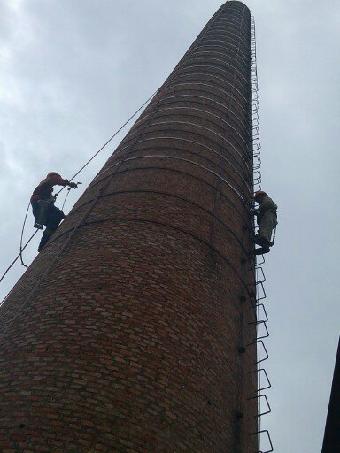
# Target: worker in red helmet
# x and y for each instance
(44, 211)
(266, 219)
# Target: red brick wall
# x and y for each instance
(125, 333)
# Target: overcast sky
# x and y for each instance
(73, 70)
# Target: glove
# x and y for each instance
(73, 185)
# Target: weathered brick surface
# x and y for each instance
(125, 333)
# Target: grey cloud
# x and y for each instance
(73, 71)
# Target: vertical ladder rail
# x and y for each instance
(262, 331)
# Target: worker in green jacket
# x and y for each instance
(266, 215)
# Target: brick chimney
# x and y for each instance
(128, 332)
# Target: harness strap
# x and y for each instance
(274, 233)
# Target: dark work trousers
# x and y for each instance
(264, 245)
(52, 218)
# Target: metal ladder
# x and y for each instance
(262, 332)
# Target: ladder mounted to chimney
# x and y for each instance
(263, 435)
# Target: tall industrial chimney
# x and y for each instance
(130, 331)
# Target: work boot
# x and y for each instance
(46, 237)
(261, 251)
(43, 241)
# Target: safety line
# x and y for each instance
(100, 191)
(76, 174)
(111, 138)
(21, 247)
(21, 236)
(17, 257)
(174, 74)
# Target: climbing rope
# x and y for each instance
(76, 174)
(18, 256)
(23, 247)
(64, 245)
(65, 199)
(22, 235)
(110, 139)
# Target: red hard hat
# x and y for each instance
(259, 193)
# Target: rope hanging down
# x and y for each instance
(22, 235)
(23, 247)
